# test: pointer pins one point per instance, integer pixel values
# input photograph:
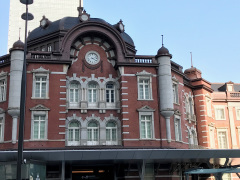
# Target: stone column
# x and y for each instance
(17, 56)
(165, 87)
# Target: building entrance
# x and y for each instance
(100, 173)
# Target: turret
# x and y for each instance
(17, 56)
(165, 87)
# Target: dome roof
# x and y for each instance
(66, 24)
(193, 73)
(192, 69)
(18, 45)
(163, 52)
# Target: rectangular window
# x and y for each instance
(178, 130)
(110, 94)
(49, 47)
(144, 89)
(2, 90)
(220, 113)
(175, 93)
(209, 107)
(146, 126)
(40, 86)
(1, 129)
(74, 94)
(238, 113)
(39, 127)
(222, 140)
(212, 137)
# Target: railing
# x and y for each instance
(237, 94)
(101, 142)
(143, 60)
(39, 55)
(5, 59)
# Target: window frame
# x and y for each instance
(3, 77)
(149, 78)
(225, 130)
(209, 106)
(40, 74)
(39, 113)
(212, 136)
(178, 132)
(74, 103)
(237, 109)
(2, 115)
(175, 84)
(151, 114)
(216, 114)
(74, 142)
(92, 142)
(114, 93)
(192, 137)
(93, 104)
(111, 141)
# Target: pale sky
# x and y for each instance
(210, 29)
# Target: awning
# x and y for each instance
(154, 155)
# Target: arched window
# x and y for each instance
(92, 93)
(187, 105)
(192, 139)
(191, 110)
(74, 94)
(111, 133)
(74, 134)
(93, 133)
(110, 93)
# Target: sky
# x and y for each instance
(210, 29)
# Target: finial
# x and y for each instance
(19, 32)
(80, 8)
(191, 60)
(81, 3)
(162, 40)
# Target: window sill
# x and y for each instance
(147, 139)
(176, 103)
(40, 98)
(38, 140)
(95, 108)
(145, 99)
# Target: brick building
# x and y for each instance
(97, 110)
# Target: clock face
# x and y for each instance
(43, 22)
(92, 57)
(84, 17)
(121, 27)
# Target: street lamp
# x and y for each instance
(27, 17)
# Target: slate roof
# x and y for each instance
(66, 24)
(221, 87)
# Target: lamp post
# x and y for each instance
(27, 17)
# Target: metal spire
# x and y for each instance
(191, 60)
(162, 40)
(19, 32)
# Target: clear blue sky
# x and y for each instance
(210, 29)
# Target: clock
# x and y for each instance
(92, 57)
(43, 23)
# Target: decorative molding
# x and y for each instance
(40, 107)
(146, 109)
(40, 70)
(144, 73)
